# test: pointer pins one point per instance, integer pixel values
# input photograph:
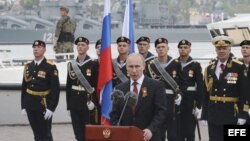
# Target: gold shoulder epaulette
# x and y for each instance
(237, 61)
(50, 62)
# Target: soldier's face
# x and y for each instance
(162, 49)
(245, 50)
(184, 50)
(63, 13)
(223, 52)
(135, 66)
(82, 48)
(143, 47)
(123, 48)
(38, 51)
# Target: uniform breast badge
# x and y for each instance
(41, 74)
(231, 78)
(144, 92)
(191, 73)
(88, 72)
(174, 73)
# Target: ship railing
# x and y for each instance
(21, 61)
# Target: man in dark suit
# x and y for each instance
(40, 92)
(245, 50)
(226, 90)
(149, 113)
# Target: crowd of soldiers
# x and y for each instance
(220, 97)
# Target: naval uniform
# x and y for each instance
(171, 123)
(192, 90)
(224, 96)
(148, 58)
(122, 66)
(40, 91)
(77, 96)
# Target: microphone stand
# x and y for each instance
(124, 107)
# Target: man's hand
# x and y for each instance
(147, 134)
(48, 114)
(23, 112)
(178, 99)
(197, 113)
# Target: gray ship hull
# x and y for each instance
(21, 36)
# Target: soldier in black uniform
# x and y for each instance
(245, 50)
(119, 64)
(192, 89)
(40, 92)
(80, 99)
(143, 44)
(225, 91)
(172, 67)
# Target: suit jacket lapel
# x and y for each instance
(139, 102)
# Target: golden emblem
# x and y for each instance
(160, 40)
(80, 39)
(144, 92)
(191, 73)
(36, 43)
(174, 73)
(88, 72)
(122, 39)
(41, 74)
(183, 41)
(106, 133)
(55, 72)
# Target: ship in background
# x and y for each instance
(18, 27)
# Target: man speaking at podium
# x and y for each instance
(148, 112)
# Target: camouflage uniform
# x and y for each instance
(65, 30)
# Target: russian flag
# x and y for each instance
(128, 25)
(105, 67)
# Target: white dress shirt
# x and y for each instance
(218, 68)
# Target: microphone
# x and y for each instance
(117, 96)
(130, 100)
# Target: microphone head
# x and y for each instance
(117, 96)
(132, 98)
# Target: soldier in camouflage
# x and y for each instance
(64, 34)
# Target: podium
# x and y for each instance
(113, 133)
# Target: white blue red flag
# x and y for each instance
(105, 67)
(128, 24)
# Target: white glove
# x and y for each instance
(241, 121)
(23, 112)
(203, 122)
(48, 114)
(177, 101)
(249, 112)
(90, 105)
(197, 113)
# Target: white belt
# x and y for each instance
(169, 91)
(78, 88)
(191, 88)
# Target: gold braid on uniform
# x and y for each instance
(208, 82)
(72, 74)
(26, 75)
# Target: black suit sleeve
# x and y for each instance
(160, 107)
(53, 97)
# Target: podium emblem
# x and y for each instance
(106, 133)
